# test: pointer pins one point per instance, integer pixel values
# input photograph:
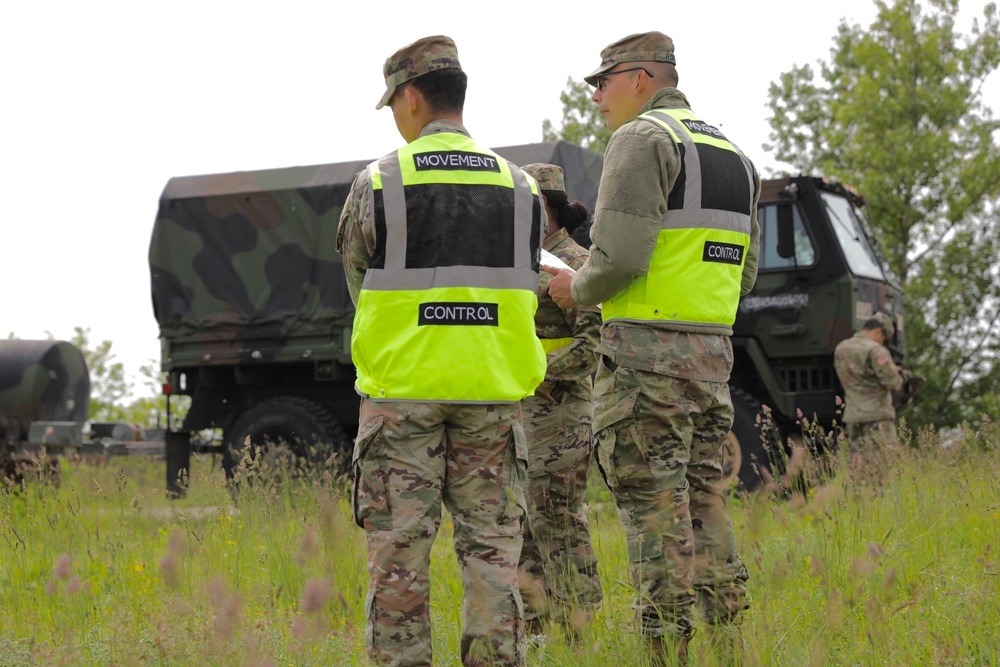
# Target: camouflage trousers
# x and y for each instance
(659, 444)
(409, 459)
(558, 568)
(871, 436)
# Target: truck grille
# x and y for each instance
(806, 378)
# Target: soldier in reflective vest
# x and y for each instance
(441, 244)
(558, 568)
(675, 244)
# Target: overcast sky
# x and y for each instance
(104, 101)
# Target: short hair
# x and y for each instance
(442, 89)
(871, 324)
(665, 74)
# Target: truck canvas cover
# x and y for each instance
(252, 255)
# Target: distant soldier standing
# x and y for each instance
(869, 376)
(675, 245)
(558, 567)
(441, 243)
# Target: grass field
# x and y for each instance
(102, 569)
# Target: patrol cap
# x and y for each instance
(885, 321)
(422, 56)
(641, 47)
(549, 176)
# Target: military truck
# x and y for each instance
(821, 275)
(44, 401)
(254, 313)
(255, 316)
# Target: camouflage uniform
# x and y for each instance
(662, 403)
(558, 568)
(869, 376)
(410, 457)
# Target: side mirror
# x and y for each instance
(786, 231)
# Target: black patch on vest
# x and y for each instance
(448, 224)
(455, 161)
(724, 253)
(725, 183)
(378, 257)
(460, 313)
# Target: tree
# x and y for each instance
(108, 387)
(582, 123)
(898, 112)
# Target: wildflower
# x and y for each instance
(315, 595)
(63, 568)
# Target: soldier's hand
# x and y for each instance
(559, 287)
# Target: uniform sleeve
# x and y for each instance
(356, 233)
(639, 171)
(753, 252)
(885, 370)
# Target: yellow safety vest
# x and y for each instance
(446, 309)
(697, 265)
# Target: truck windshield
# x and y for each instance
(848, 226)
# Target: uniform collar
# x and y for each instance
(555, 238)
(443, 125)
(666, 98)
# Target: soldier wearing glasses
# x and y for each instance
(675, 245)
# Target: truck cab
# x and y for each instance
(821, 275)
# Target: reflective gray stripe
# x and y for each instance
(692, 214)
(726, 221)
(394, 204)
(451, 276)
(395, 275)
(619, 320)
(692, 163)
(523, 201)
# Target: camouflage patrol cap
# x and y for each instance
(422, 56)
(885, 321)
(641, 47)
(549, 176)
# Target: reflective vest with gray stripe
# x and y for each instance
(697, 265)
(446, 309)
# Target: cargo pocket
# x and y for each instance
(515, 474)
(369, 499)
(620, 447)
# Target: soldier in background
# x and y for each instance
(675, 245)
(558, 569)
(441, 242)
(869, 376)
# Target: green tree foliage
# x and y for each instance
(108, 386)
(582, 123)
(898, 112)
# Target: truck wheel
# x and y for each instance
(744, 450)
(290, 431)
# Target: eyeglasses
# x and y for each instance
(601, 79)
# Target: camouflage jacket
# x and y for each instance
(571, 366)
(356, 232)
(869, 377)
(641, 166)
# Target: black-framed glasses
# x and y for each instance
(601, 79)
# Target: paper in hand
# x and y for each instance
(552, 262)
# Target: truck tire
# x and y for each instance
(286, 428)
(744, 449)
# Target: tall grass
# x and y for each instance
(102, 569)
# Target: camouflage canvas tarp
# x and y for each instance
(251, 255)
(41, 380)
(251, 251)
